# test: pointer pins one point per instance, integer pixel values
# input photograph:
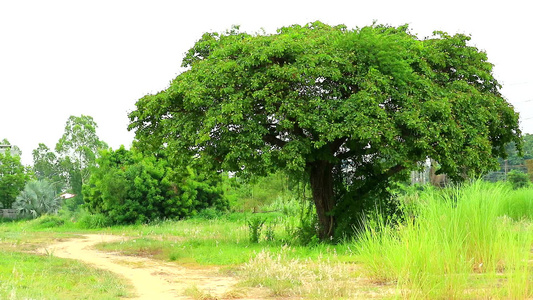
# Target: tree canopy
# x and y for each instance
(350, 108)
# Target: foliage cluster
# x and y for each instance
(47, 221)
(128, 187)
(256, 226)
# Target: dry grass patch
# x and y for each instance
(315, 279)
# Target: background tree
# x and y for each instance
(514, 160)
(13, 177)
(513, 155)
(77, 150)
(46, 167)
(353, 109)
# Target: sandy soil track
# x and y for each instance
(151, 279)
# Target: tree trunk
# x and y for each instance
(321, 177)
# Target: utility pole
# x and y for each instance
(505, 170)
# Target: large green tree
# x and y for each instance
(351, 108)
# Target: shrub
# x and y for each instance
(128, 187)
(518, 179)
(38, 198)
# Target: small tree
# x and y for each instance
(38, 198)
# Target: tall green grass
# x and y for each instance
(459, 243)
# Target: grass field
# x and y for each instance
(450, 244)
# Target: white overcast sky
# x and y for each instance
(63, 58)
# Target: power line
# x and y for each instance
(521, 101)
(518, 83)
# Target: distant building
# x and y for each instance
(14, 150)
(3, 148)
(67, 196)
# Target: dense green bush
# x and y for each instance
(128, 187)
(518, 179)
(38, 198)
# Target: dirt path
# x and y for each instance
(151, 279)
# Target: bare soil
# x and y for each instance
(151, 279)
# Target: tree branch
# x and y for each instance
(336, 144)
(394, 170)
(273, 140)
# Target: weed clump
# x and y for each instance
(93, 221)
(47, 221)
(256, 226)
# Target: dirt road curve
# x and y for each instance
(151, 279)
